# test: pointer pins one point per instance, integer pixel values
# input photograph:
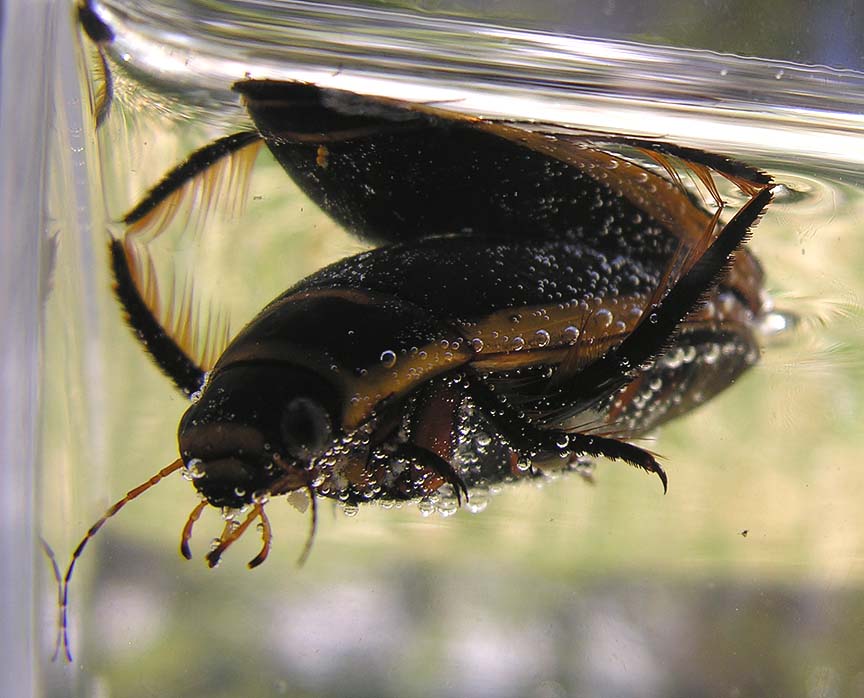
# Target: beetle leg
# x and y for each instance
(231, 534)
(661, 321)
(530, 440)
(433, 424)
(194, 179)
(168, 354)
(435, 463)
(267, 539)
(187, 529)
(313, 526)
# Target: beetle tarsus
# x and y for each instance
(313, 527)
(266, 537)
(438, 465)
(187, 529)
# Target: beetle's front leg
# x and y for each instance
(432, 461)
(530, 440)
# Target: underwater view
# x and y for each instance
(515, 363)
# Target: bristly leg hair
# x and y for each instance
(215, 177)
(201, 333)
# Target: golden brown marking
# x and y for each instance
(322, 157)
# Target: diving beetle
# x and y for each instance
(528, 286)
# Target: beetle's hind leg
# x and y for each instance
(530, 440)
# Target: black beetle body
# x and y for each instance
(536, 298)
(393, 332)
(516, 279)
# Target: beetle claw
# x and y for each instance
(438, 465)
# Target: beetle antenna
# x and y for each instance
(313, 525)
(49, 553)
(187, 529)
(113, 509)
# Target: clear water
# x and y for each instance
(558, 589)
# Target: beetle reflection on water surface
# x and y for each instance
(533, 299)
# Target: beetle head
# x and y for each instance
(256, 430)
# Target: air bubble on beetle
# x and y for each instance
(571, 334)
(479, 500)
(388, 358)
(350, 509)
(194, 469)
(543, 338)
(447, 506)
(776, 323)
(518, 343)
(603, 317)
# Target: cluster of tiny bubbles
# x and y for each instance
(448, 503)
(350, 509)
(478, 501)
(711, 354)
(194, 397)
(230, 515)
(426, 505)
(193, 469)
(583, 466)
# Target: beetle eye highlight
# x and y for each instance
(306, 428)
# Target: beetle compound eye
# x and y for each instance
(306, 428)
